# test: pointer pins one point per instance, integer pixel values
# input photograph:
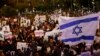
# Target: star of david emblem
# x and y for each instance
(77, 30)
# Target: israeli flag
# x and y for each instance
(78, 29)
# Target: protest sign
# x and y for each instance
(8, 35)
(51, 33)
(85, 53)
(6, 28)
(39, 33)
(1, 36)
(21, 45)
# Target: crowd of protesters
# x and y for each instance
(52, 47)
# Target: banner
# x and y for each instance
(78, 29)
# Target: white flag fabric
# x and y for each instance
(78, 29)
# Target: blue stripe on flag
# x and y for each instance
(79, 38)
(78, 22)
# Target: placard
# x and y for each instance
(8, 35)
(39, 33)
(21, 45)
(6, 28)
(1, 36)
(85, 53)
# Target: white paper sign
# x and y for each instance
(4, 22)
(15, 20)
(8, 35)
(32, 27)
(51, 33)
(6, 28)
(0, 25)
(39, 33)
(23, 22)
(21, 45)
(36, 17)
(28, 22)
(86, 53)
(1, 36)
(39, 48)
(42, 18)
